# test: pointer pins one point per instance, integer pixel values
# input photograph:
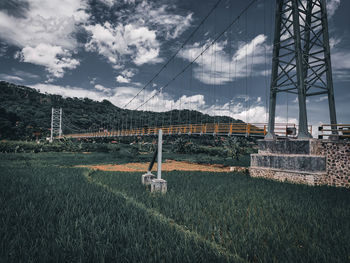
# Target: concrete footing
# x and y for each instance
(292, 162)
(147, 178)
(159, 185)
(289, 146)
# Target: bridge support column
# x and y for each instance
(301, 38)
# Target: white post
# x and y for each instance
(159, 185)
(159, 162)
(51, 137)
(60, 131)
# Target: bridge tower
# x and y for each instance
(301, 61)
(56, 123)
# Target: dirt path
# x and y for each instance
(168, 165)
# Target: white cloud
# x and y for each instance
(333, 42)
(54, 58)
(164, 102)
(3, 49)
(18, 76)
(53, 25)
(10, 78)
(103, 89)
(111, 3)
(216, 66)
(117, 42)
(135, 34)
(68, 91)
(25, 74)
(341, 65)
(129, 73)
(119, 96)
(46, 26)
(93, 81)
(322, 98)
(332, 6)
(255, 113)
(171, 25)
(108, 3)
(122, 79)
(126, 75)
(236, 108)
(341, 60)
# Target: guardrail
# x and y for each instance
(334, 131)
(222, 129)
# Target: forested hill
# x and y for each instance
(25, 111)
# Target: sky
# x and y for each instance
(111, 49)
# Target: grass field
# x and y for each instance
(51, 211)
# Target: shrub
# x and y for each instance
(59, 146)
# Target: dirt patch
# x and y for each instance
(168, 165)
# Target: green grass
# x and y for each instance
(123, 156)
(50, 213)
(261, 220)
(53, 212)
(108, 153)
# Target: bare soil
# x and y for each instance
(168, 165)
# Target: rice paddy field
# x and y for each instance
(53, 211)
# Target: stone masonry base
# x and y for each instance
(298, 177)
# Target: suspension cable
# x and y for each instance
(204, 50)
(175, 54)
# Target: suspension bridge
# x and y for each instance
(300, 65)
(219, 129)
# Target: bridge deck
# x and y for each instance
(222, 129)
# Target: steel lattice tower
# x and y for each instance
(301, 58)
(56, 123)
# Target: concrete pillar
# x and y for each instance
(159, 162)
(159, 184)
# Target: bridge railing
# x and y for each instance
(334, 131)
(236, 129)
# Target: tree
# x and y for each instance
(235, 146)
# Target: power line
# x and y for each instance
(173, 56)
(205, 49)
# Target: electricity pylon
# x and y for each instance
(56, 123)
(301, 62)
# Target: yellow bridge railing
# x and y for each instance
(222, 129)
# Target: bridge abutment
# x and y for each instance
(312, 162)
